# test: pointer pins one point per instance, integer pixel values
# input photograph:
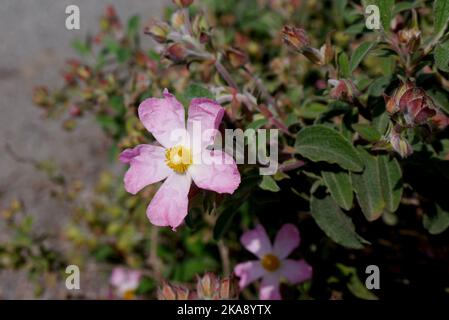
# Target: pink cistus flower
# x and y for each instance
(182, 157)
(125, 282)
(273, 264)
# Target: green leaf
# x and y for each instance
(367, 187)
(82, 48)
(198, 91)
(403, 6)
(367, 132)
(335, 224)
(312, 110)
(355, 285)
(269, 184)
(437, 222)
(385, 8)
(133, 25)
(340, 187)
(359, 54)
(321, 143)
(440, 97)
(441, 15)
(391, 181)
(343, 65)
(441, 56)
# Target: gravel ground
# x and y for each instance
(34, 45)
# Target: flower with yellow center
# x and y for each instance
(178, 158)
(270, 262)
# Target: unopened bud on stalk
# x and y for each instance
(207, 287)
(236, 57)
(178, 19)
(183, 3)
(400, 144)
(172, 292)
(411, 38)
(295, 38)
(343, 90)
(158, 30)
(201, 28)
(176, 52)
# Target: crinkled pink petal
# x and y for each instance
(147, 166)
(296, 271)
(217, 172)
(161, 117)
(257, 241)
(269, 288)
(248, 272)
(287, 239)
(169, 205)
(206, 114)
(118, 276)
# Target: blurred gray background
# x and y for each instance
(34, 44)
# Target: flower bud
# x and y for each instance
(173, 292)
(236, 57)
(411, 38)
(178, 19)
(183, 3)
(400, 144)
(158, 30)
(295, 38)
(229, 288)
(208, 287)
(343, 90)
(176, 52)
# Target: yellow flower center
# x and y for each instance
(270, 262)
(178, 158)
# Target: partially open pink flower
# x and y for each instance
(181, 158)
(125, 282)
(273, 263)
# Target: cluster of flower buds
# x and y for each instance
(208, 287)
(183, 41)
(410, 105)
(344, 90)
(298, 40)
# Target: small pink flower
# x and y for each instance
(179, 160)
(125, 282)
(273, 264)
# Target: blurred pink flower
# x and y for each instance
(273, 264)
(178, 162)
(125, 282)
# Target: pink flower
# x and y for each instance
(181, 158)
(273, 263)
(125, 282)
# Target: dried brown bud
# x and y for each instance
(295, 38)
(158, 30)
(236, 57)
(411, 38)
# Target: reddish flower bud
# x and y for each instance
(412, 102)
(183, 3)
(229, 288)
(441, 120)
(343, 90)
(173, 292)
(400, 144)
(176, 52)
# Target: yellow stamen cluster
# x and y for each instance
(270, 262)
(178, 158)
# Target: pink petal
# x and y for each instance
(248, 272)
(207, 115)
(296, 271)
(287, 239)
(169, 205)
(147, 166)
(118, 276)
(161, 117)
(269, 288)
(217, 172)
(256, 241)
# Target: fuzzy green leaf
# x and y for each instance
(359, 54)
(321, 143)
(441, 14)
(340, 187)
